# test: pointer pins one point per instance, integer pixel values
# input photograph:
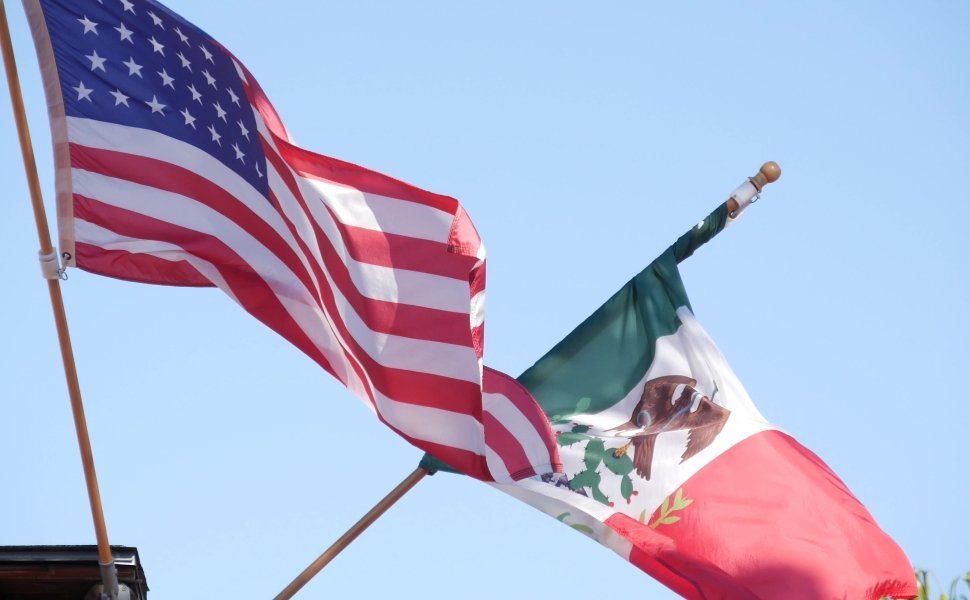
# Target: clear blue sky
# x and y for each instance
(582, 140)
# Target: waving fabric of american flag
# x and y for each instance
(173, 168)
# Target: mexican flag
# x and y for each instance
(668, 462)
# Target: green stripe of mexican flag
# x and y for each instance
(662, 445)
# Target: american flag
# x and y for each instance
(174, 168)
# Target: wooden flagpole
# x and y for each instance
(109, 576)
(372, 515)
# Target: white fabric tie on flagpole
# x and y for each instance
(744, 195)
(50, 267)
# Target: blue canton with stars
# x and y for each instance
(136, 63)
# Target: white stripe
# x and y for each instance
(496, 466)
(537, 493)
(509, 415)
(477, 313)
(571, 508)
(380, 213)
(445, 427)
(449, 360)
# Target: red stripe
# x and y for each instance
(770, 520)
(498, 382)
(402, 252)
(339, 172)
(140, 268)
(463, 238)
(318, 166)
(380, 316)
(507, 447)
(476, 280)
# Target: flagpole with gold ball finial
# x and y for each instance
(748, 192)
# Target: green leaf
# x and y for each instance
(583, 528)
(669, 520)
(562, 517)
(643, 516)
(665, 507)
(583, 404)
(679, 496)
(685, 503)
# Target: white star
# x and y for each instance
(258, 172)
(220, 113)
(125, 33)
(215, 136)
(166, 80)
(244, 131)
(232, 94)
(195, 94)
(83, 93)
(185, 62)
(129, 7)
(97, 62)
(156, 106)
(239, 153)
(189, 119)
(209, 78)
(89, 25)
(208, 55)
(157, 47)
(182, 36)
(119, 98)
(133, 67)
(156, 19)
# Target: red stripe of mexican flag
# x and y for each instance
(661, 443)
(768, 519)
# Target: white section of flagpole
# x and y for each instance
(109, 574)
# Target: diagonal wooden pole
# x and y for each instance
(109, 576)
(372, 515)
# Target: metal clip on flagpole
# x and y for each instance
(750, 191)
(52, 272)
